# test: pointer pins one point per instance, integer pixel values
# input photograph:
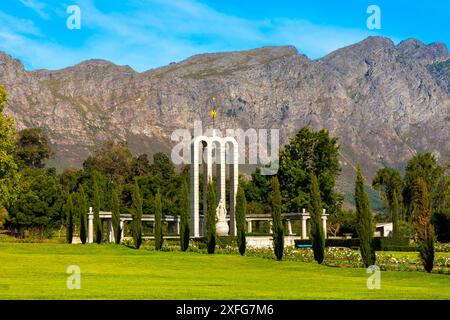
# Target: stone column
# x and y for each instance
(234, 180)
(177, 225)
(304, 235)
(194, 186)
(207, 178)
(90, 226)
(249, 226)
(220, 171)
(289, 225)
(122, 223)
(324, 223)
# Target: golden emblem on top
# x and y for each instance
(213, 113)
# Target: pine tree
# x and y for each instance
(158, 222)
(184, 217)
(137, 215)
(68, 208)
(211, 218)
(394, 213)
(422, 224)
(115, 203)
(315, 210)
(241, 211)
(277, 224)
(365, 225)
(97, 204)
(82, 207)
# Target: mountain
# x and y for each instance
(384, 101)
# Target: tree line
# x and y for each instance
(35, 197)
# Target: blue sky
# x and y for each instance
(149, 33)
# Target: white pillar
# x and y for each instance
(220, 172)
(304, 235)
(194, 185)
(90, 226)
(121, 228)
(249, 226)
(324, 223)
(207, 178)
(177, 225)
(289, 225)
(234, 180)
(270, 227)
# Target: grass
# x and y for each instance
(38, 271)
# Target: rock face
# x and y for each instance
(383, 101)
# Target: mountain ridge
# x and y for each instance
(383, 101)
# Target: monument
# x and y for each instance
(226, 152)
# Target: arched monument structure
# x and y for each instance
(201, 149)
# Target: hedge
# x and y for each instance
(379, 243)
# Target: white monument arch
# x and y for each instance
(226, 152)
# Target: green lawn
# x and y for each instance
(38, 271)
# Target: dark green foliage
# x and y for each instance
(424, 166)
(162, 165)
(184, 217)
(315, 210)
(68, 209)
(82, 213)
(390, 183)
(158, 222)
(257, 190)
(33, 148)
(136, 211)
(277, 224)
(39, 205)
(365, 225)
(112, 159)
(315, 152)
(116, 215)
(140, 166)
(344, 221)
(241, 212)
(378, 243)
(211, 218)
(98, 230)
(422, 224)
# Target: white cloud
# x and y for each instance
(37, 7)
(157, 32)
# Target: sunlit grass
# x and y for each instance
(38, 271)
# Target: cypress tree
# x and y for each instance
(315, 210)
(394, 210)
(365, 225)
(241, 212)
(68, 208)
(184, 217)
(158, 222)
(115, 204)
(137, 215)
(82, 207)
(211, 218)
(97, 204)
(277, 224)
(422, 213)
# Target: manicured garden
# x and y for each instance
(38, 271)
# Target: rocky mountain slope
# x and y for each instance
(383, 101)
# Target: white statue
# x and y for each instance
(221, 216)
